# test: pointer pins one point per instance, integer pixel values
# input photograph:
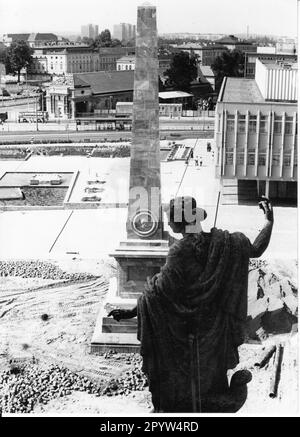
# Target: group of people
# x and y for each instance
(198, 161)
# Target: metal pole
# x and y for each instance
(192, 370)
(198, 374)
(276, 371)
(217, 208)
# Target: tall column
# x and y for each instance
(145, 179)
(144, 251)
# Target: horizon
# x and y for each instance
(200, 18)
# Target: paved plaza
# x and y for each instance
(93, 233)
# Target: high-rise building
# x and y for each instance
(124, 31)
(89, 31)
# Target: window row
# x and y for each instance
(263, 124)
(262, 159)
(127, 67)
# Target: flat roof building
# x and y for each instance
(89, 31)
(266, 54)
(126, 63)
(256, 134)
(124, 31)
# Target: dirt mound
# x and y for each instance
(272, 298)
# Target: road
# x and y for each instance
(92, 136)
(13, 132)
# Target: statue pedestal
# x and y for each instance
(136, 260)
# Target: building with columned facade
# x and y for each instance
(256, 134)
(87, 94)
(126, 63)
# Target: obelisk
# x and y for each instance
(145, 148)
(145, 250)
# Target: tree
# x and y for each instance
(182, 71)
(19, 55)
(88, 41)
(230, 64)
(3, 53)
(116, 42)
(129, 43)
(104, 39)
(105, 36)
(161, 85)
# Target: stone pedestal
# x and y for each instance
(136, 260)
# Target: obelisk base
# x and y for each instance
(136, 260)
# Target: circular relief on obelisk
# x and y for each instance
(144, 223)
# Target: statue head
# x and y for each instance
(184, 216)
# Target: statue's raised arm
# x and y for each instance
(261, 242)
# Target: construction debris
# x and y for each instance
(276, 371)
(266, 356)
(25, 385)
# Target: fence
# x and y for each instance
(18, 100)
(198, 113)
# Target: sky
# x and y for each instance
(275, 17)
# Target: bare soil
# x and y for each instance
(64, 339)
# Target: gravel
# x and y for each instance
(257, 264)
(20, 392)
(23, 386)
(133, 379)
(39, 269)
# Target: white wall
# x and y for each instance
(276, 83)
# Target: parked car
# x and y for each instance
(95, 181)
(93, 190)
(92, 198)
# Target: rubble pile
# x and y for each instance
(24, 386)
(21, 391)
(257, 263)
(133, 379)
(272, 300)
(39, 269)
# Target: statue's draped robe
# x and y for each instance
(200, 291)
